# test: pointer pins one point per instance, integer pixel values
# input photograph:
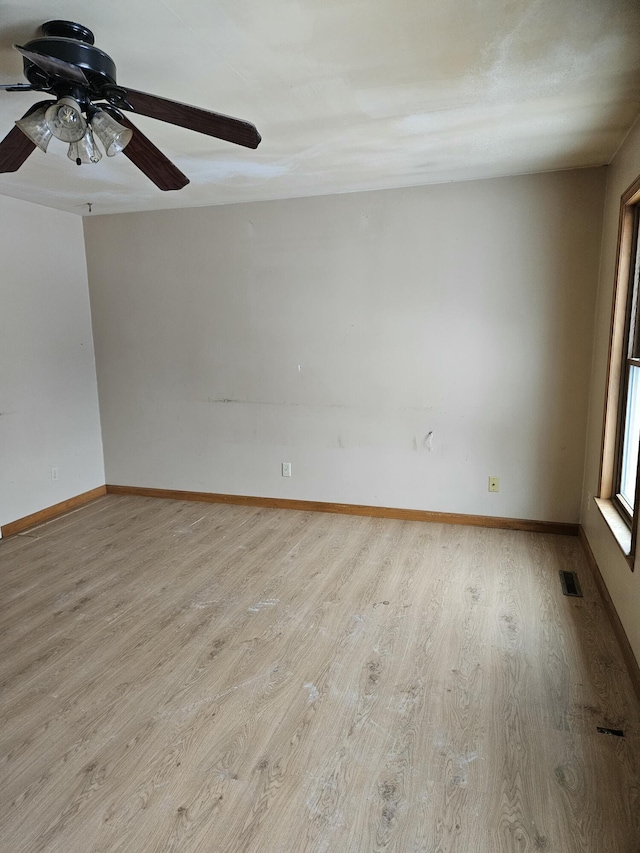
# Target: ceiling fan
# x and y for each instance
(88, 103)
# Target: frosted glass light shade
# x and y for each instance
(85, 150)
(36, 127)
(113, 135)
(66, 120)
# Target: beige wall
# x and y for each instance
(623, 585)
(48, 395)
(396, 347)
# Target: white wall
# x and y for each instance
(48, 395)
(623, 585)
(339, 333)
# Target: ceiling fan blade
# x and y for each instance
(17, 87)
(14, 150)
(193, 118)
(54, 67)
(149, 159)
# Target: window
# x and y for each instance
(619, 480)
(626, 463)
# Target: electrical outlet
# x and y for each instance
(54, 474)
(494, 484)
(286, 469)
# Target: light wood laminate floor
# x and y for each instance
(190, 677)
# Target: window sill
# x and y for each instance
(616, 524)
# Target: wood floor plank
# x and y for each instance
(185, 677)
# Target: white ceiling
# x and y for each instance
(347, 94)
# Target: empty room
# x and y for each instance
(319, 427)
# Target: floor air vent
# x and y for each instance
(570, 584)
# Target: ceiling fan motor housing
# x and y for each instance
(73, 43)
(68, 29)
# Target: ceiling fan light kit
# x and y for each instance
(85, 150)
(36, 127)
(65, 119)
(64, 62)
(111, 133)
